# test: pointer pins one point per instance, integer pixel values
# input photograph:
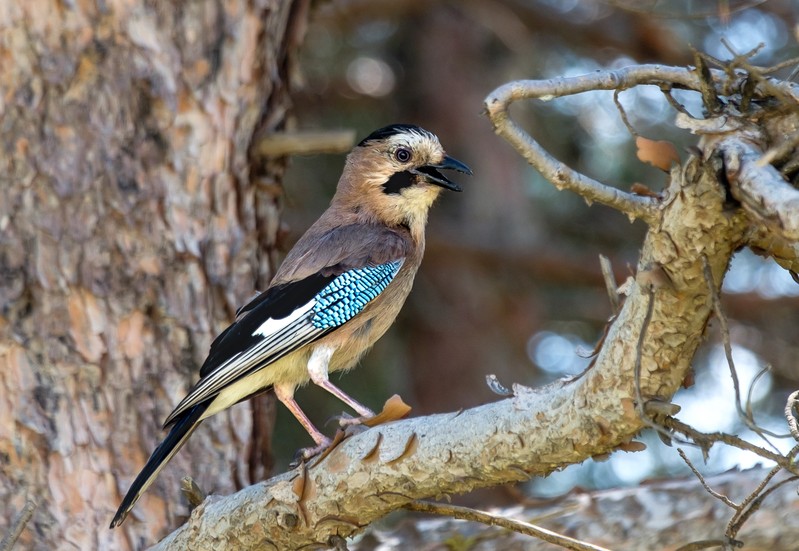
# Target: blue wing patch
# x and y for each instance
(350, 292)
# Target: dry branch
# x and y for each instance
(464, 513)
(17, 526)
(562, 176)
(384, 468)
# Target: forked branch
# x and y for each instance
(744, 162)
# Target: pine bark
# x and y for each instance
(134, 220)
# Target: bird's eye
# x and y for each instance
(402, 155)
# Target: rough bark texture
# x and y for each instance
(133, 223)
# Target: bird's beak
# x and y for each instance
(432, 175)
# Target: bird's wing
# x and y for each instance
(337, 250)
(288, 316)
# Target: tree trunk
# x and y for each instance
(134, 220)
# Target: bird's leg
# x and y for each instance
(285, 393)
(317, 369)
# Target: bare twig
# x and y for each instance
(779, 151)
(763, 483)
(464, 513)
(724, 499)
(753, 505)
(707, 440)
(750, 54)
(676, 105)
(18, 526)
(781, 65)
(623, 114)
(563, 177)
(748, 506)
(744, 414)
(725, 333)
(701, 544)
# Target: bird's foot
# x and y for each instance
(305, 454)
(345, 420)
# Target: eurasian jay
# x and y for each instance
(337, 291)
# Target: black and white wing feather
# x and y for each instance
(282, 320)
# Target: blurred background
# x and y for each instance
(511, 283)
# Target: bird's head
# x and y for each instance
(394, 174)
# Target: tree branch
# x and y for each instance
(761, 189)
(18, 525)
(643, 516)
(526, 528)
(384, 468)
(563, 177)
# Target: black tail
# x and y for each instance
(181, 430)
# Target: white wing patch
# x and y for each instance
(272, 326)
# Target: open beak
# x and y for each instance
(432, 175)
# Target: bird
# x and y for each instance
(336, 292)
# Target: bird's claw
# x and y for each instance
(305, 454)
(345, 420)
